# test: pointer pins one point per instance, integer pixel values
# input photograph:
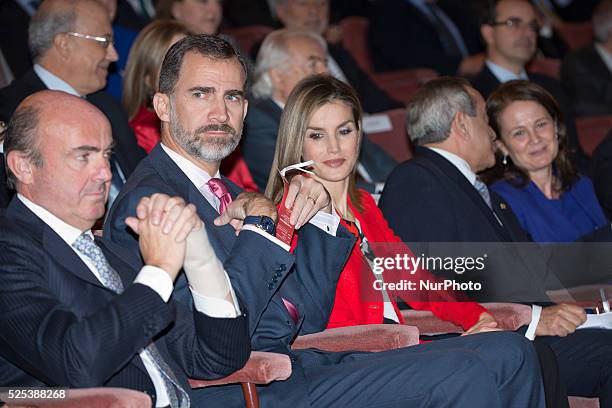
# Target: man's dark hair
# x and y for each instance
(485, 11)
(209, 46)
(21, 136)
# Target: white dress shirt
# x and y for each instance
(465, 169)
(504, 75)
(605, 56)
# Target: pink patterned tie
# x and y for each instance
(219, 189)
(292, 310)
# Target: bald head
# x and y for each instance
(57, 152)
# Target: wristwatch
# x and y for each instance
(262, 222)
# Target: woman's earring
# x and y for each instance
(505, 160)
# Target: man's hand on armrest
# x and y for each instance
(560, 320)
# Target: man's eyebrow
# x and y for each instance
(235, 92)
(85, 148)
(203, 89)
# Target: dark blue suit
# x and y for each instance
(427, 199)
(62, 327)
(262, 274)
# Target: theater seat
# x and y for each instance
(576, 35)
(546, 66)
(592, 130)
(91, 398)
(248, 36)
(510, 316)
(395, 141)
(400, 84)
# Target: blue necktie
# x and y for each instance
(110, 279)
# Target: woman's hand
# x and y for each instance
(486, 323)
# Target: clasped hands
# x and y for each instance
(305, 198)
(171, 237)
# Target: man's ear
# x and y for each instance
(21, 166)
(461, 125)
(246, 108)
(486, 31)
(62, 45)
(161, 104)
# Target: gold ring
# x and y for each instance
(313, 200)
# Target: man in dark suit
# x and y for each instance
(441, 35)
(437, 197)
(74, 57)
(587, 72)
(313, 16)
(78, 311)
(289, 294)
(509, 28)
(285, 58)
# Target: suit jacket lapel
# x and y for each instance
(53, 243)
(441, 165)
(222, 238)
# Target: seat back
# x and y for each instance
(248, 36)
(547, 66)
(395, 141)
(355, 40)
(576, 35)
(592, 130)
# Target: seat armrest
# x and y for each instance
(373, 337)
(261, 368)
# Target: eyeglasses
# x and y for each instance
(105, 41)
(517, 23)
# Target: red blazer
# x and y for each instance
(356, 300)
(146, 127)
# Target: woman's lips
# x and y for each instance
(334, 162)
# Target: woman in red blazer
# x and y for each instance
(321, 122)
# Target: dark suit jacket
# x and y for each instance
(127, 151)
(588, 82)
(427, 200)
(259, 143)
(14, 22)
(62, 327)
(5, 193)
(128, 18)
(601, 173)
(261, 272)
(401, 36)
(485, 83)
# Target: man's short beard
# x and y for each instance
(206, 150)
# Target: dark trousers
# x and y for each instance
(482, 370)
(585, 363)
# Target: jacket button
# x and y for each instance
(289, 322)
(275, 279)
(279, 273)
(282, 267)
(271, 286)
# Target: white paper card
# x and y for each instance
(597, 321)
(377, 123)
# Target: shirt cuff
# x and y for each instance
(536, 311)
(215, 307)
(272, 238)
(327, 222)
(157, 279)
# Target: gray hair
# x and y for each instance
(273, 53)
(45, 24)
(21, 136)
(602, 20)
(432, 110)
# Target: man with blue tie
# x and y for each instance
(202, 104)
(78, 311)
